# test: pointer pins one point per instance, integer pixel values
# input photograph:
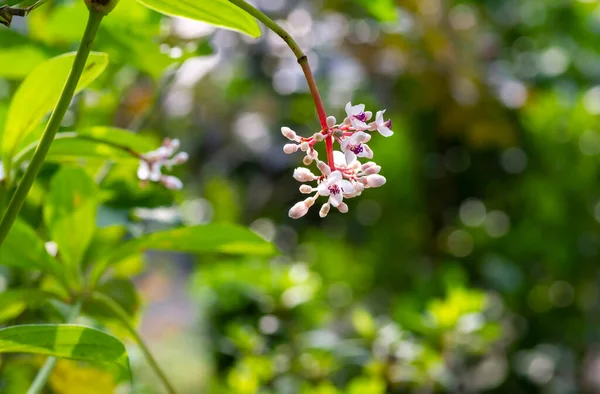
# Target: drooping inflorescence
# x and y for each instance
(151, 163)
(344, 176)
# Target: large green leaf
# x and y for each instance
(39, 93)
(210, 238)
(70, 214)
(216, 12)
(14, 302)
(65, 341)
(24, 249)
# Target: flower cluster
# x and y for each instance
(151, 163)
(344, 176)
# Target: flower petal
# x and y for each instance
(323, 189)
(347, 187)
(336, 199)
(143, 172)
(334, 177)
(350, 156)
(384, 131)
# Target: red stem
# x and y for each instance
(314, 91)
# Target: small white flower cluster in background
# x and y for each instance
(349, 177)
(151, 163)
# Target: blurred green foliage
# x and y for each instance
(474, 269)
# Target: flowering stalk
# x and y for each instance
(303, 61)
(93, 23)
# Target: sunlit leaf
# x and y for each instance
(65, 341)
(39, 93)
(19, 55)
(216, 12)
(70, 214)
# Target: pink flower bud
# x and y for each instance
(302, 174)
(306, 189)
(318, 137)
(358, 187)
(171, 182)
(324, 210)
(343, 208)
(307, 160)
(290, 148)
(331, 121)
(298, 210)
(310, 201)
(372, 170)
(180, 158)
(289, 133)
(375, 180)
(324, 168)
(304, 146)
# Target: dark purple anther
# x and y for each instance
(357, 149)
(334, 189)
(388, 124)
(361, 116)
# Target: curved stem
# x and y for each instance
(53, 124)
(303, 61)
(118, 311)
(44, 373)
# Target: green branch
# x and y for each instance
(118, 311)
(16, 203)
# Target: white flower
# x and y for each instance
(151, 163)
(356, 146)
(334, 187)
(383, 126)
(302, 174)
(357, 116)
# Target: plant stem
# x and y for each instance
(118, 311)
(303, 61)
(44, 373)
(16, 203)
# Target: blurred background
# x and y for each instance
(473, 270)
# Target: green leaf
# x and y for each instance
(382, 10)
(102, 143)
(220, 13)
(14, 302)
(209, 238)
(121, 291)
(19, 55)
(24, 249)
(39, 93)
(65, 341)
(70, 214)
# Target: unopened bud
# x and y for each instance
(180, 158)
(298, 210)
(324, 168)
(307, 160)
(304, 146)
(309, 202)
(103, 6)
(324, 210)
(302, 174)
(171, 182)
(318, 137)
(306, 189)
(372, 170)
(343, 208)
(375, 180)
(358, 187)
(290, 148)
(331, 121)
(289, 133)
